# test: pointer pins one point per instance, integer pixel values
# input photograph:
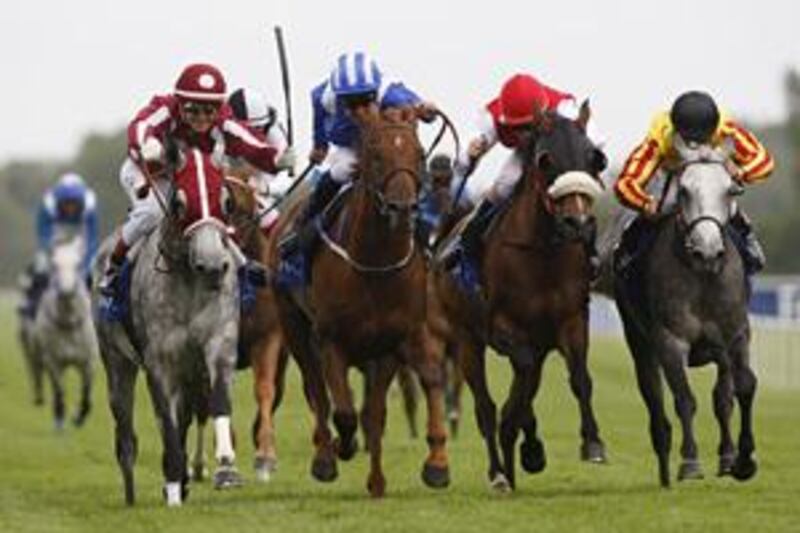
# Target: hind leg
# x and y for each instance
(424, 353)
(673, 354)
(723, 405)
(265, 369)
(408, 389)
(473, 364)
(515, 411)
(744, 384)
(199, 469)
(121, 379)
(55, 374)
(454, 383)
(167, 404)
(85, 407)
(376, 409)
(345, 419)
(574, 347)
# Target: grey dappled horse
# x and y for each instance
(181, 329)
(62, 334)
(694, 312)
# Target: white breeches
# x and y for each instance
(145, 213)
(508, 177)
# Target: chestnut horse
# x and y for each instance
(535, 295)
(365, 306)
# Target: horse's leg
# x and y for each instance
(409, 393)
(85, 407)
(425, 353)
(323, 466)
(220, 362)
(345, 419)
(454, 383)
(173, 463)
(265, 368)
(516, 409)
(723, 405)
(744, 386)
(121, 381)
(376, 409)
(473, 364)
(531, 451)
(675, 352)
(574, 345)
(199, 457)
(55, 374)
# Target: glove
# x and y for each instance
(286, 160)
(152, 150)
(477, 147)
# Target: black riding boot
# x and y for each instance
(304, 234)
(470, 238)
(753, 253)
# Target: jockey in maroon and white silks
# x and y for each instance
(195, 115)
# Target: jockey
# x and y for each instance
(250, 106)
(355, 84)
(509, 119)
(194, 115)
(68, 208)
(694, 117)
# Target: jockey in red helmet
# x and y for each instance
(194, 115)
(509, 119)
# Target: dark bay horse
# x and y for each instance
(693, 312)
(366, 305)
(181, 329)
(535, 280)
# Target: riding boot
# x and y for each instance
(108, 283)
(304, 235)
(755, 258)
(470, 238)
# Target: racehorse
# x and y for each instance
(261, 343)
(182, 327)
(693, 311)
(63, 334)
(365, 306)
(535, 295)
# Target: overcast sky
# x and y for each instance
(72, 67)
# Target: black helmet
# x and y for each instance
(695, 116)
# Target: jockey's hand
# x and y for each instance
(650, 208)
(287, 159)
(318, 154)
(477, 147)
(426, 111)
(152, 150)
(735, 171)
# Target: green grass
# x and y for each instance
(70, 482)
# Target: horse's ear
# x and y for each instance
(584, 114)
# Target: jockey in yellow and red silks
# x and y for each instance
(694, 117)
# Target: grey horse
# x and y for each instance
(63, 334)
(693, 311)
(181, 328)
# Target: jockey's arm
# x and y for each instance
(639, 168)
(754, 161)
(152, 120)
(250, 145)
(44, 224)
(92, 233)
(320, 112)
(482, 140)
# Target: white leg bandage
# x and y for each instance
(224, 440)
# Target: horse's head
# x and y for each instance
(706, 200)
(391, 161)
(566, 165)
(66, 258)
(200, 207)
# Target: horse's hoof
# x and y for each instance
(59, 425)
(593, 452)
(376, 486)
(227, 477)
(436, 477)
(174, 493)
(265, 467)
(744, 468)
(532, 456)
(499, 483)
(690, 469)
(198, 472)
(346, 450)
(324, 470)
(726, 465)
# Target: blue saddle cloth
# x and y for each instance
(116, 308)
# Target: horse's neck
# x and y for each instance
(371, 235)
(527, 219)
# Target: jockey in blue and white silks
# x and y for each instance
(356, 82)
(67, 209)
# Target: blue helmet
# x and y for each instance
(70, 186)
(355, 73)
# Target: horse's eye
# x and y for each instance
(544, 162)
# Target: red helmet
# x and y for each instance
(520, 97)
(201, 82)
